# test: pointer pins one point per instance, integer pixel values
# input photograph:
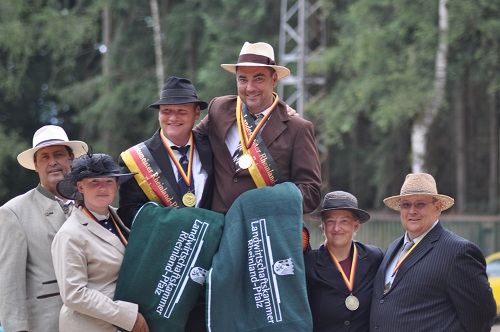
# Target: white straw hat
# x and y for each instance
(419, 184)
(257, 55)
(47, 136)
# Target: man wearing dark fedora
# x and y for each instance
(255, 142)
(175, 165)
(430, 278)
(29, 296)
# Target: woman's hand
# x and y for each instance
(140, 324)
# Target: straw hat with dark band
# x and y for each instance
(419, 184)
(257, 55)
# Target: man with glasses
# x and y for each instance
(430, 279)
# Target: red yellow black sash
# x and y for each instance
(149, 175)
(263, 169)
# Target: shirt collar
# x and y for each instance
(421, 236)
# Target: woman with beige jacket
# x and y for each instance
(88, 251)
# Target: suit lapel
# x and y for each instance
(328, 272)
(423, 247)
(362, 267)
(204, 153)
(276, 125)
(99, 231)
(388, 257)
(160, 155)
(51, 210)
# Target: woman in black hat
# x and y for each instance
(340, 272)
(88, 250)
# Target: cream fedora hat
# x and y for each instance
(419, 184)
(257, 55)
(47, 136)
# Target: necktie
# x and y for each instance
(239, 152)
(406, 247)
(183, 188)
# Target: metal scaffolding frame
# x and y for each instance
(302, 35)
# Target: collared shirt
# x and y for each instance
(65, 206)
(200, 176)
(390, 267)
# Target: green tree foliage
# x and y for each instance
(379, 64)
(381, 59)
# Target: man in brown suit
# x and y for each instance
(254, 141)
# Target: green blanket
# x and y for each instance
(257, 280)
(165, 263)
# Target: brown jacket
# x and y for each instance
(290, 140)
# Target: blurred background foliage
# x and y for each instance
(89, 66)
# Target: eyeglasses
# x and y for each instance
(417, 205)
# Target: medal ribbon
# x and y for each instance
(349, 282)
(121, 236)
(187, 177)
(263, 169)
(396, 268)
(247, 136)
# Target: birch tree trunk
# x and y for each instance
(461, 163)
(423, 123)
(106, 37)
(157, 44)
(494, 153)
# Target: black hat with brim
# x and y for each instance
(90, 166)
(342, 200)
(178, 91)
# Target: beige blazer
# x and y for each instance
(29, 296)
(87, 259)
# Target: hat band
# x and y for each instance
(256, 59)
(339, 204)
(177, 93)
(48, 142)
(417, 192)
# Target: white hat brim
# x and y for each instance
(280, 70)
(25, 158)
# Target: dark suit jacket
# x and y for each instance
(327, 290)
(290, 140)
(131, 195)
(441, 286)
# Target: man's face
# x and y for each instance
(177, 121)
(51, 164)
(255, 87)
(418, 213)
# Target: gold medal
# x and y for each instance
(352, 302)
(245, 161)
(189, 199)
